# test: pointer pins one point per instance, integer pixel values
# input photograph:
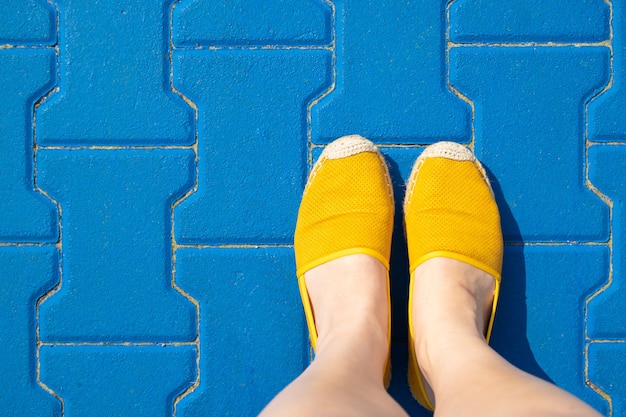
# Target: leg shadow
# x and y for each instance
(509, 336)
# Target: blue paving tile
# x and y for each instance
(607, 362)
(529, 131)
(116, 245)
(606, 121)
(253, 337)
(114, 88)
(252, 141)
(118, 381)
(391, 76)
(32, 271)
(607, 311)
(241, 22)
(27, 22)
(513, 21)
(27, 216)
(539, 325)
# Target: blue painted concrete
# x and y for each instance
(115, 88)
(118, 380)
(609, 379)
(391, 76)
(116, 246)
(29, 272)
(606, 122)
(608, 173)
(28, 22)
(257, 163)
(25, 75)
(244, 23)
(515, 21)
(246, 300)
(152, 157)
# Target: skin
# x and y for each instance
(452, 301)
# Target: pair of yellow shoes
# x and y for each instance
(348, 208)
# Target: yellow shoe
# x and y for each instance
(450, 212)
(347, 208)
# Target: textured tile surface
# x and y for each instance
(153, 153)
(391, 76)
(252, 341)
(25, 74)
(115, 88)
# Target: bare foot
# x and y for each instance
(350, 305)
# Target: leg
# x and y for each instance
(451, 304)
(349, 297)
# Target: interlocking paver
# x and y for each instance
(607, 171)
(27, 216)
(118, 380)
(391, 76)
(32, 271)
(515, 21)
(529, 127)
(606, 113)
(252, 143)
(116, 246)
(115, 83)
(27, 22)
(241, 23)
(248, 304)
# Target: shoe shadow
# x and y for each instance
(509, 336)
(510, 327)
(400, 165)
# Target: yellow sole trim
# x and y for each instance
(345, 252)
(416, 383)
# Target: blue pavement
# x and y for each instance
(153, 155)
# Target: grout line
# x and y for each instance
(31, 244)
(58, 244)
(548, 243)
(10, 46)
(122, 344)
(454, 90)
(122, 147)
(606, 341)
(333, 85)
(192, 190)
(276, 47)
(610, 205)
(592, 385)
(234, 246)
(530, 44)
(595, 143)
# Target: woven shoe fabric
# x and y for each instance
(450, 211)
(347, 206)
(450, 207)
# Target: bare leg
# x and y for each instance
(349, 297)
(451, 302)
